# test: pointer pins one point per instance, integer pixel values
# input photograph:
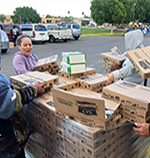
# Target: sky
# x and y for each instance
(49, 7)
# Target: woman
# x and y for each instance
(24, 61)
(133, 40)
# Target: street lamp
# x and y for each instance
(133, 11)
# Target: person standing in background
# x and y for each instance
(15, 32)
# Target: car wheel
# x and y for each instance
(3, 50)
(51, 39)
(76, 38)
(65, 40)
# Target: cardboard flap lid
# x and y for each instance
(141, 57)
(113, 56)
(41, 76)
(116, 50)
(47, 60)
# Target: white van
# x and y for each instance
(37, 32)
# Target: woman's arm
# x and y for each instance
(19, 65)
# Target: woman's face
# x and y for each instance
(26, 46)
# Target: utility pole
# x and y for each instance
(133, 11)
(20, 17)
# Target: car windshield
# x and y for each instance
(40, 28)
(26, 27)
(76, 27)
(51, 26)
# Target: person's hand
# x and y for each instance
(142, 129)
(40, 86)
(110, 79)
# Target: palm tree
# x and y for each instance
(82, 13)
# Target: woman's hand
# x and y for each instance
(110, 79)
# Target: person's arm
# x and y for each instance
(19, 65)
(125, 71)
(142, 129)
(15, 99)
(28, 92)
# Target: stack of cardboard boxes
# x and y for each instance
(112, 60)
(134, 99)
(80, 117)
(49, 64)
(64, 138)
(73, 62)
(11, 45)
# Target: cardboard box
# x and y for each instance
(89, 71)
(73, 68)
(94, 82)
(87, 132)
(113, 57)
(109, 66)
(86, 109)
(140, 59)
(66, 83)
(11, 45)
(73, 57)
(44, 106)
(82, 105)
(32, 77)
(128, 93)
(135, 100)
(46, 63)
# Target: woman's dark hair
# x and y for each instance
(19, 39)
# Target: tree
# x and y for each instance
(2, 17)
(120, 11)
(48, 16)
(68, 12)
(68, 19)
(110, 11)
(27, 14)
(83, 13)
(85, 16)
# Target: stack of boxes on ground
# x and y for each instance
(81, 118)
(11, 45)
(113, 59)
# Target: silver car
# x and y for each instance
(75, 30)
(4, 41)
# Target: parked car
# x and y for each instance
(55, 32)
(75, 30)
(4, 41)
(101, 27)
(37, 32)
(8, 29)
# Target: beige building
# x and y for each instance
(8, 19)
(51, 20)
